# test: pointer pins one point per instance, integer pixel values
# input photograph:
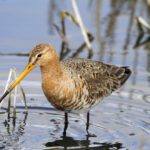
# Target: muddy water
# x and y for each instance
(121, 121)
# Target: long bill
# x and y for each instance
(28, 69)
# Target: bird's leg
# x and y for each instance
(87, 123)
(65, 124)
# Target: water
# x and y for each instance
(122, 120)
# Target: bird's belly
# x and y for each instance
(70, 99)
(60, 97)
(72, 105)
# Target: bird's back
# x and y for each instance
(101, 79)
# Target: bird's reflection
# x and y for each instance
(69, 142)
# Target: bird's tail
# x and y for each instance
(126, 75)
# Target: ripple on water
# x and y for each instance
(122, 121)
(115, 122)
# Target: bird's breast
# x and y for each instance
(66, 95)
(58, 93)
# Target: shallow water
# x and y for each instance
(121, 121)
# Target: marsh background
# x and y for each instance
(122, 120)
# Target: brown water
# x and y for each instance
(122, 120)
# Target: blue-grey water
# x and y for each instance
(122, 120)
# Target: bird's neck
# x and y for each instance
(52, 70)
(55, 83)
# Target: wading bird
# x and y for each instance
(73, 85)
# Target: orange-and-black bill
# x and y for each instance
(28, 68)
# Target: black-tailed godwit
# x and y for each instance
(73, 85)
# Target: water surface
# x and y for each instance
(122, 120)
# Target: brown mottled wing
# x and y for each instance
(101, 78)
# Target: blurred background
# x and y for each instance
(122, 121)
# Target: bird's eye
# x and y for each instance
(39, 55)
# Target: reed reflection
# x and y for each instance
(14, 131)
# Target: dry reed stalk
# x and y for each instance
(13, 74)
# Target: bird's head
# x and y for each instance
(40, 55)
